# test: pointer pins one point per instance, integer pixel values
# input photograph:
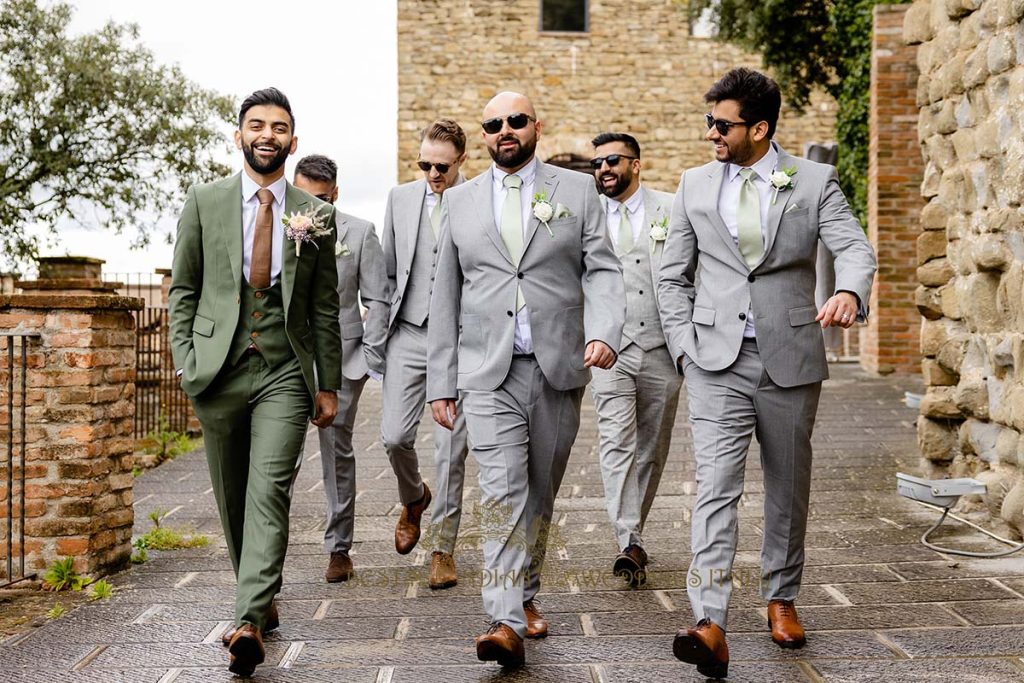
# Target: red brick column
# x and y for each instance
(79, 413)
(891, 340)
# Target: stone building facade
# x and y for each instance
(971, 248)
(636, 68)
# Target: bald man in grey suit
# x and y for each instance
(529, 296)
(736, 293)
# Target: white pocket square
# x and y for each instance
(792, 207)
(562, 211)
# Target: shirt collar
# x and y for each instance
(527, 173)
(633, 204)
(249, 188)
(763, 168)
(459, 179)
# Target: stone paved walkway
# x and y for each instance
(877, 604)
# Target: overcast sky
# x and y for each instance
(336, 61)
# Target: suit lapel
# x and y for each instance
(716, 176)
(417, 202)
(342, 228)
(294, 200)
(483, 201)
(231, 226)
(776, 210)
(544, 182)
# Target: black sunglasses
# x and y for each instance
(611, 159)
(720, 125)
(425, 166)
(515, 122)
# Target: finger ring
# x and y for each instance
(845, 317)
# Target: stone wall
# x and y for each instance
(971, 249)
(637, 70)
(890, 342)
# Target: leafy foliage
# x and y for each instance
(56, 612)
(167, 443)
(165, 538)
(101, 590)
(61, 575)
(810, 44)
(91, 121)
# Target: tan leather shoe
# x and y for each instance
(502, 645)
(407, 531)
(339, 568)
(631, 565)
(246, 650)
(536, 624)
(785, 624)
(273, 621)
(703, 645)
(442, 571)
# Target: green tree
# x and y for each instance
(808, 45)
(91, 122)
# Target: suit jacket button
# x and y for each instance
(259, 295)
(750, 278)
(641, 323)
(254, 335)
(743, 316)
(519, 275)
(406, 271)
(509, 313)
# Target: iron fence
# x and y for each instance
(160, 404)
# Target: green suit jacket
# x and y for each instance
(206, 282)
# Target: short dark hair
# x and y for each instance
(446, 130)
(267, 96)
(625, 138)
(317, 167)
(758, 96)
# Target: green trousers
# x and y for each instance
(254, 424)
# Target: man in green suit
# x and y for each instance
(257, 345)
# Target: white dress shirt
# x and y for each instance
(635, 212)
(250, 204)
(524, 338)
(728, 202)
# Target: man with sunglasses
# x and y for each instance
(361, 280)
(529, 296)
(636, 400)
(412, 225)
(736, 293)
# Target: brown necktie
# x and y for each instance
(259, 264)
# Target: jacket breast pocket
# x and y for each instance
(803, 315)
(202, 326)
(703, 316)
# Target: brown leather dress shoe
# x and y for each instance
(536, 624)
(442, 571)
(407, 531)
(502, 645)
(273, 621)
(631, 565)
(704, 646)
(785, 624)
(339, 568)
(246, 650)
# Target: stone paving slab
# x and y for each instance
(877, 605)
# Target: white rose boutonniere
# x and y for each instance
(307, 226)
(781, 180)
(659, 229)
(341, 249)
(544, 212)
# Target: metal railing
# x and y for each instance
(159, 401)
(11, 340)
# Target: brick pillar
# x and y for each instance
(79, 414)
(891, 340)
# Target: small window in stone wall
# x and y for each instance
(564, 15)
(571, 161)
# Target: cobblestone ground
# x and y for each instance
(877, 605)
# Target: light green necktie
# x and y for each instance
(625, 230)
(435, 215)
(512, 226)
(748, 220)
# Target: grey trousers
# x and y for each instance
(638, 396)
(726, 409)
(521, 433)
(339, 465)
(404, 397)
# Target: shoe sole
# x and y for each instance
(246, 655)
(693, 651)
(346, 577)
(443, 585)
(491, 652)
(627, 569)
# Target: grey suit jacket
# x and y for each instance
(401, 226)
(705, 286)
(361, 277)
(570, 276)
